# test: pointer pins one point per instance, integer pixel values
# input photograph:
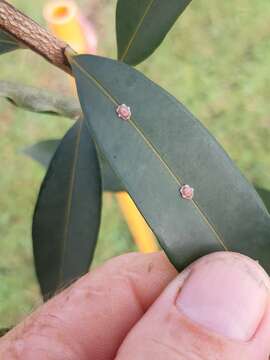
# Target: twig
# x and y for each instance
(33, 36)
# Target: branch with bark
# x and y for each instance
(32, 35)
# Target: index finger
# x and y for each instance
(90, 319)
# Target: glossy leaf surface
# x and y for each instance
(67, 215)
(7, 43)
(141, 26)
(162, 147)
(39, 100)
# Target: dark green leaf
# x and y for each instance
(265, 195)
(39, 100)
(110, 181)
(7, 43)
(67, 215)
(162, 147)
(141, 26)
(43, 152)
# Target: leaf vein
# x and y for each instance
(129, 45)
(69, 202)
(152, 147)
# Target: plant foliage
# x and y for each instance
(152, 154)
(167, 153)
(67, 214)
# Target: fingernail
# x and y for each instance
(227, 295)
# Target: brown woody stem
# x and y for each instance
(30, 34)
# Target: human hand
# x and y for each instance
(136, 307)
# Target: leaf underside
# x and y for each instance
(141, 26)
(7, 43)
(162, 147)
(67, 214)
(43, 151)
(38, 100)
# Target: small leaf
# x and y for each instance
(67, 214)
(265, 195)
(141, 26)
(7, 42)
(161, 148)
(39, 100)
(43, 152)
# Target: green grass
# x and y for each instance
(215, 60)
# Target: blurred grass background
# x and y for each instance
(215, 60)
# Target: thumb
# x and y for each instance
(217, 309)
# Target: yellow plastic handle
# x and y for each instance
(142, 234)
(63, 20)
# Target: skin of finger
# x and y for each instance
(166, 333)
(90, 319)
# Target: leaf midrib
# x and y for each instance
(69, 202)
(153, 148)
(137, 29)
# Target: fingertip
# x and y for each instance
(217, 308)
(226, 293)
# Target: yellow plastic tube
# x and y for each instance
(142, 234)
(64, 20)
